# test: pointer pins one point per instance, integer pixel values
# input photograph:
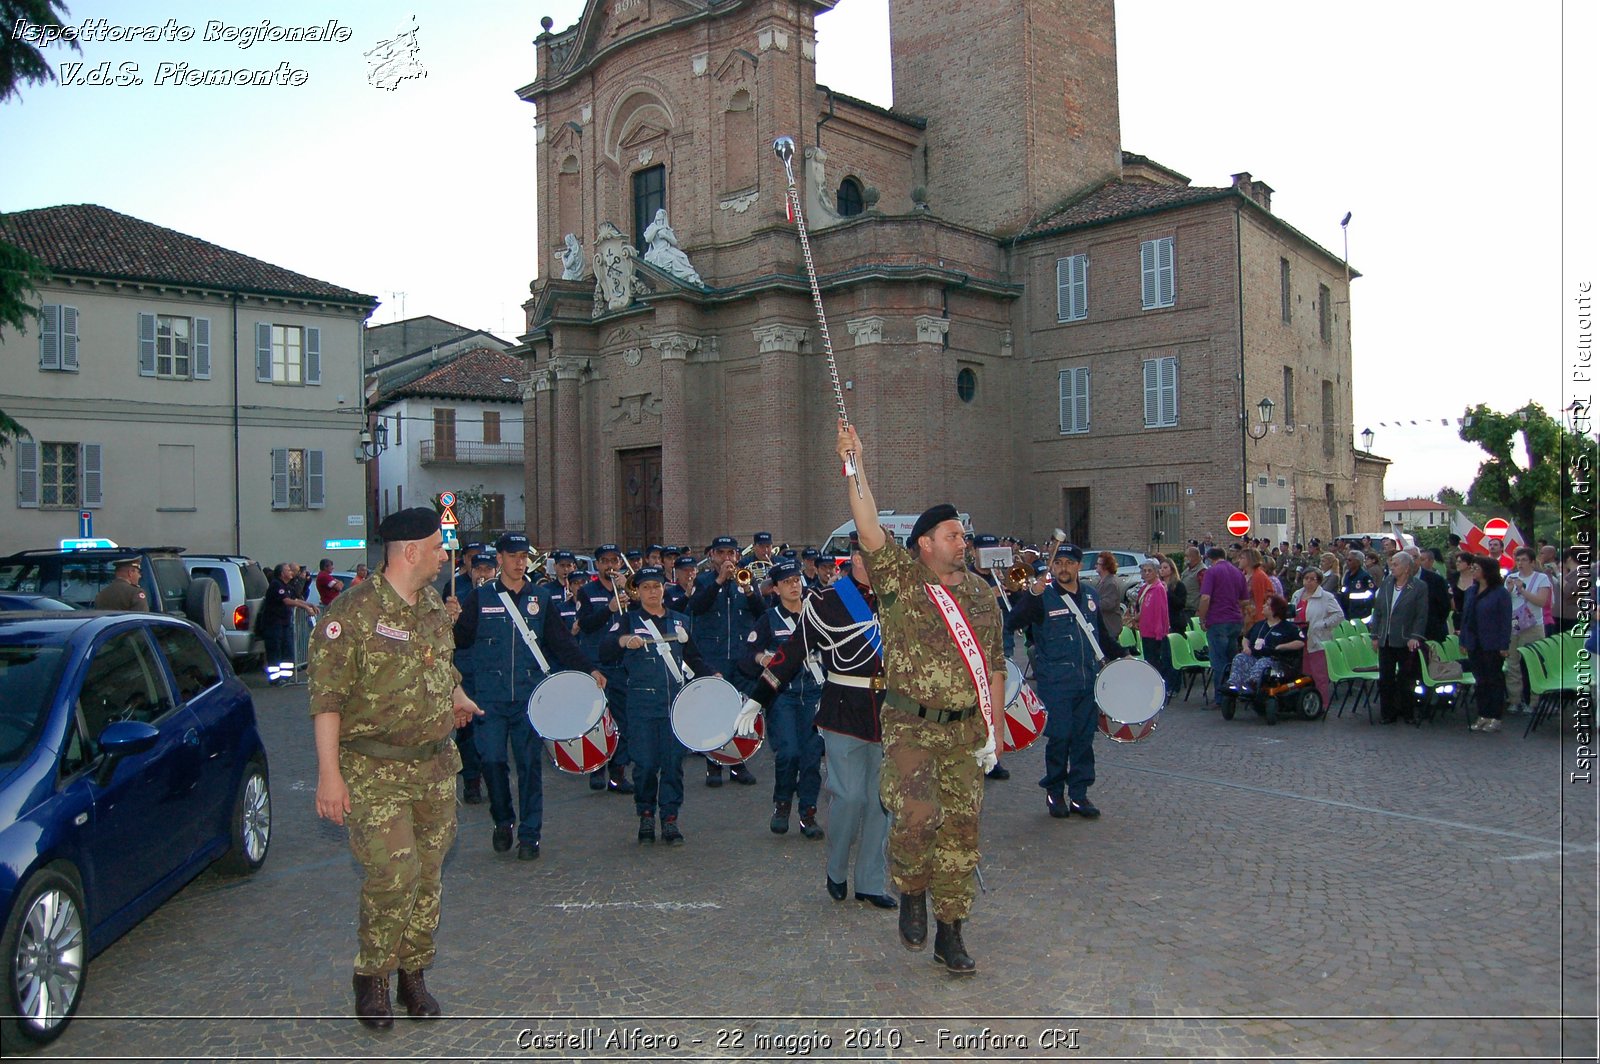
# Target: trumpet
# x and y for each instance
(1016, 578)
(746, 577)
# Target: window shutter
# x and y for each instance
(1080, 286)
(1147, 273)
(27, 473)
(202, 349)
(314, 492)
(1082, 399)
(90, 464)
(1164, 272)
(1152, 393)
(313, 356)
(1063, 293)
(280, 478)
(147, 345)
(69, 338)
(1065, 386)
(50, 336)
(264, 361)
(1169, 391)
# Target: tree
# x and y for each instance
(1552, 453)
(1450, 497)
(21, 62)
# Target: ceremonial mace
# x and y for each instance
(783, 147)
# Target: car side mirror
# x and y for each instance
(123, 738)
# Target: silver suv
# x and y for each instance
(243, 586)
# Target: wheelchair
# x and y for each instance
(1283, 689)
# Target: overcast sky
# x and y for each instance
(1437, 124)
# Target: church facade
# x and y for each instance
(1028, 321)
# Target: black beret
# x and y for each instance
(931, 518)
(402, 526)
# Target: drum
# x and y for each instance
(1013, 681)
(568, 710)
(1023, 721)
(1129, 694)
(703, 716)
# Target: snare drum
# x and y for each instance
(1013, 681)
(1129, 694)
(568, 711)
(1023, 719)
(703, 716)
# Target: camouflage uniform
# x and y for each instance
(931, 782)
(384, 667)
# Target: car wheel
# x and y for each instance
(1229, 704)
(251, 824)
(1311, 704)
(46, 955)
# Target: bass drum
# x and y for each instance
(1129, 694)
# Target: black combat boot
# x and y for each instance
(413, 994)
(914, 920)
(472, 792)
(372, 1001)
(647, 828)
(808, 822)
(949, 950)
(713, 773)
(780, 818)
(618, 783)
(669, 831)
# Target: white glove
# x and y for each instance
(987, 756)
(745, 723)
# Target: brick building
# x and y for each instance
(1029, 321)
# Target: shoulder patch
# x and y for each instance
(332, 630)
(533, 607)
(1092, 604)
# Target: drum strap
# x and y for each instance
(527, 636)
(1088, 631)
(812, 666)
(967, 644)
(664, 650)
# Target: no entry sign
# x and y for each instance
(1497, 528)
(1238, 523)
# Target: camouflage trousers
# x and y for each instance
(931, 786)
(400, 831)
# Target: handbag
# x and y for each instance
(1440, 669)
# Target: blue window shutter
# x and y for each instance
(264, 352)
(314, 484)
(147, 345)
(50, 336)
(69, 338)
(1147, 274)
(27, 473)
(91, 495)
(202, 349)
(280, 478)
(313, 356)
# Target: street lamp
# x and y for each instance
(1367, 436)
(373, 442)
(1264, 412)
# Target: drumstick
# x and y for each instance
(681, 637)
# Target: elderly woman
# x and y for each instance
(1274, 636)
(1317, 610)
(1486, 637)
(1108, 592)
(1153, 618)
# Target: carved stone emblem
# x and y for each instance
(613, 267)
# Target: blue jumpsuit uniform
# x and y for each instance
(594, 617)
(791, 718)
(723, 618)
(1064, 672)
(657, 754)
(675, 599)
(466, 735)
(504, 673)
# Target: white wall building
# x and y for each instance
(458, 428)
(181, 393)
(1411, 514)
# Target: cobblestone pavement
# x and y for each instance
(1310, 891)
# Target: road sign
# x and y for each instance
(450, 541)
(1238, 523)
(86, 524)
(1497, 528)
(447, 510)
(344, 544)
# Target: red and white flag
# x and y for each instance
(1476, 541)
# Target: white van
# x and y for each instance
(898, 525)
(1407, 541)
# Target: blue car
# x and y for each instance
(129, 762)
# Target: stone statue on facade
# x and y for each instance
(573, 262)
(664, 252)
(613, 267)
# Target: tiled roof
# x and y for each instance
(1414, 504)
(89, 240)
(1122, 199)
(476, 374)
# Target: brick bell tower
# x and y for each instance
(1020, 97)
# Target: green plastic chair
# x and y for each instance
(1435, 687)
(1542, 684)
(1340, 672)
(1186, 664)
(1361, 655)
(1130, 640)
